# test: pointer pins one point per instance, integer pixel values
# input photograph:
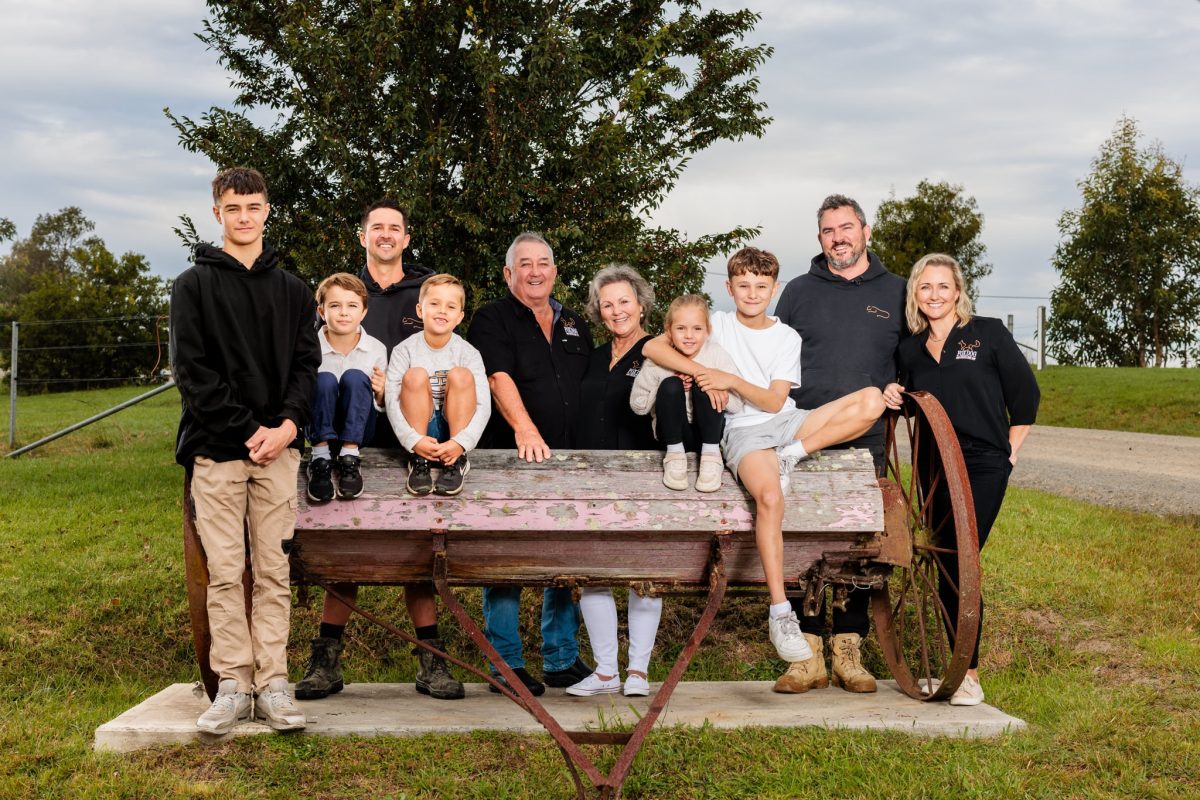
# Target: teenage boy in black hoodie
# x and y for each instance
(394, 289)
(849, 312)
(245, 356)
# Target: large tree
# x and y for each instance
(485, 119)
(1129, 260)
(937, 218)
(87, 317)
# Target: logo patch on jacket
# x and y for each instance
(879, 312)
(569, 327)
(967, 351)
(634, 369)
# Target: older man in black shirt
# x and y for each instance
(536, 353)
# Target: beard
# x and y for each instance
(841, 263)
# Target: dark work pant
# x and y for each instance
(988, 470)
(857, 616)
(342, 410)
(707, 423)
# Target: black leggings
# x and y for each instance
(707, 423)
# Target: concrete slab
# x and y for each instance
(391, 709)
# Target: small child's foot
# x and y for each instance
(320, 480)
(450, 482)
(675, 471)
(350, 482)
(711, 467)
(420, 479)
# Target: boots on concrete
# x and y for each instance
(804, 675)
(848, 671)
(433, 675)
(323, 675)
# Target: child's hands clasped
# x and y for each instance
(433, 450)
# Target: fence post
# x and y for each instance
(1041, 353)
(1010, 323)
(12, 390)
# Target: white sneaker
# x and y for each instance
(636, 686)
(789, 642)
(276, 707)
(675, 471)
(593, 684)
(789, 456)
(709, 479)
(969, 693)
(228, 708)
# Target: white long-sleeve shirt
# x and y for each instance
(416, 352)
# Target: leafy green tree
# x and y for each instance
(1129, 260)
(115, 307)
(7, 229)
(938, 218)
(485, 119)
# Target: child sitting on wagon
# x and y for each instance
(685, 418)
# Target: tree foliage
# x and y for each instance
(110, 310)
(938, 218)
(1129, 260)
(485, 119)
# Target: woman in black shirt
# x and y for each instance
(618, 299)
(975, 369)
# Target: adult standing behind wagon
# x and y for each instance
(536, 353)
(975, 369)
(618, 299)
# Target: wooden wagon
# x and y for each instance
(600, 518)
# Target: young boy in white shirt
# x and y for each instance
(769, 434)
(437, 394)
(349, 392)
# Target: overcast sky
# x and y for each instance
(1012, 100)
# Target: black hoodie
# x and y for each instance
(244, 352)
(850, 329)
(392, 312)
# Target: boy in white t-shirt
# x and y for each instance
(769, 434)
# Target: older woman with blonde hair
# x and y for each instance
(975, 369)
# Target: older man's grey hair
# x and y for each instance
(618, 273)
(522, 238)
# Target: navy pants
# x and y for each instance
(343, 410)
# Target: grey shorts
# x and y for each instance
(776, 432)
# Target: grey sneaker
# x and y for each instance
(323, 675)
(420, 480)
(433, 674)
(228, 708)
(276, 708)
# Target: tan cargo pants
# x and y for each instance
(227, 495)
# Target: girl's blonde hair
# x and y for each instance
(916, 320)
(683, 301)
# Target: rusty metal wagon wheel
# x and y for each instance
(926, 641)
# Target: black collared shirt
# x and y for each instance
(606, 422)
(548, 374)
(983, 381)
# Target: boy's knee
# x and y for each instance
(460, 379)
(327, 383)
(871, 401)
(415, 378)
(354, 377)
(770, 498)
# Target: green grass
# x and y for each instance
(1122, 399)
(1092, 636)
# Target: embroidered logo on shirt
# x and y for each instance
(967, 351)
(634, 369)
(879, 312)
(569, 327)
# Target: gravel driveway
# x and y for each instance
(1136, 471)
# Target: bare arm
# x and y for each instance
(1016, 438)
(660, 351)
(769, 399)
(530, 444)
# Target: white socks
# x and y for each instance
(778, 610)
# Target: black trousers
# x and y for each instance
(707, 423)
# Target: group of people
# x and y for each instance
(746, 391)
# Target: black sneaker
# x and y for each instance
(450, 482)
(534, 686)
(350, 482)
(420, 481)
(320, 482)
(562, 678)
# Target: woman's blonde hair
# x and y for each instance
(916, 319)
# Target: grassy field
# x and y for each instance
(1093, 637)
(1122, 399)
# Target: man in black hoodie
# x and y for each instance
(245, 356)
(393, 289)
(849, 312)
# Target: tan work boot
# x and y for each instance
(848, 671)
(804, 675)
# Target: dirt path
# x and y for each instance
(1137, 471)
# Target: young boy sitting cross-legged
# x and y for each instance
(349, 390)
(437, 394)
(769, 434)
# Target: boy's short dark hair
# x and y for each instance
(755, 262)
(836, 201)
(386, 202)
(441, 279)
(342, 280)
(243, 180)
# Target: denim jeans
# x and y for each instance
(342, 411)
(560, 626)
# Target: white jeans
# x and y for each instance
(600, 615)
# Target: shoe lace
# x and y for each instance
(789, 625)
(421, 467)
(850, 653)
(281, 702)
(224, 703)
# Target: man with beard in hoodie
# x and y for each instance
(245, 355)
(393, 289)
(849, 312)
